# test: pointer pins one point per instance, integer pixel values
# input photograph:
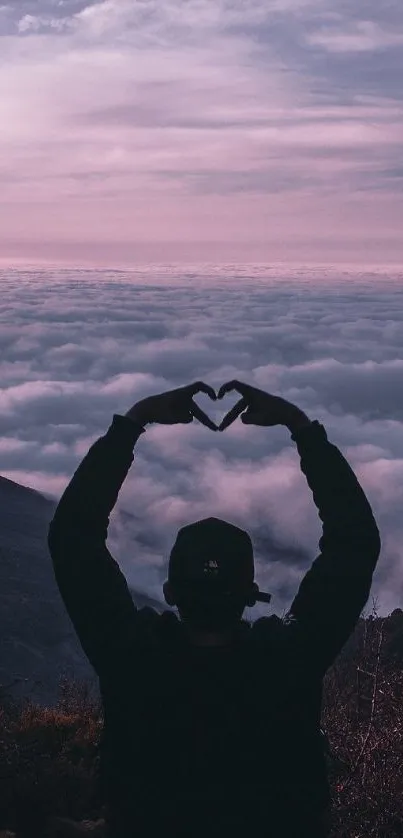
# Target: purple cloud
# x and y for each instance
(170, 129)
(79, 346)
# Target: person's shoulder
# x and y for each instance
(284, 638)
(157, 625)
(147, 613)
(281, 631)
(267, 628)
(289, 638)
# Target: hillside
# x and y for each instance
(37, 640)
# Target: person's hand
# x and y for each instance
(174, 406)
(260, 408)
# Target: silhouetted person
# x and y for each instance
(211, 724)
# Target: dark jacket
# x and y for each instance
(223, 740)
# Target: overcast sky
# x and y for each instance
(136, 130)
(77, 347)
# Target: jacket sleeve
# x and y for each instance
(336, 588)
(93, 589)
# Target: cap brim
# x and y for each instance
(262, 597)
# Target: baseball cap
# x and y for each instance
(214, 554)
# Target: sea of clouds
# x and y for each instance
(79, 346)
(242, 129)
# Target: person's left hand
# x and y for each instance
(174, 406)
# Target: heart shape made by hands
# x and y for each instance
(213, 409)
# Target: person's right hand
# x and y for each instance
(260, 408)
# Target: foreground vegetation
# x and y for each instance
(49, 757)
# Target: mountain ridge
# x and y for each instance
(38, 643)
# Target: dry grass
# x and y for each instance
(49, 757)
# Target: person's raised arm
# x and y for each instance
(336, 588)
(93, 588)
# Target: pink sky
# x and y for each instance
(201, 130)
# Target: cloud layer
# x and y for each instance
(78, 347)
(201, 129)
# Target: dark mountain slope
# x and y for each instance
(37, 640)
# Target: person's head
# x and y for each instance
(211, 575)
